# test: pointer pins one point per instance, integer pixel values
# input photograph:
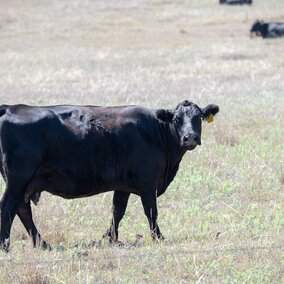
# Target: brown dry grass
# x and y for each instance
(223, 216)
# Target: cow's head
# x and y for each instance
(187, 119)
(256, 28)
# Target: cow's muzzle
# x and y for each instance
(254, 33)
(191, 140)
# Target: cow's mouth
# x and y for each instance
(191, 147)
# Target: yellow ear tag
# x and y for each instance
(209, 119)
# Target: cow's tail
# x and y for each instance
(3, 109)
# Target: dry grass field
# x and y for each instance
(223, 215)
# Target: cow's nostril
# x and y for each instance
(197, 140)
(186, 138)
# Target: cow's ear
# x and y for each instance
(209, 111)
(165, 115)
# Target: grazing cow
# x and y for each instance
(79, 151)
(236, 2)
(267, 30)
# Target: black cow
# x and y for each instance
(236, 2)
(267, 30)
(79, 151)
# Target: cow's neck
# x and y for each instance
(264, 30)
(173, 153)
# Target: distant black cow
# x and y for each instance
(236, 2)
(267, 30)
(79, 151)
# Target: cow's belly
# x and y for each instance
(69, 183)
(104, 165)
(80, 192)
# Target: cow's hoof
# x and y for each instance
(4, 246)
(45, 246)
(112, 241)
(158, 238)
(108, 235)
(118, 244)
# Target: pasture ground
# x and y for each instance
(223, 216)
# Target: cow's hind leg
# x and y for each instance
(9, 207)
(17, 179)
(25, 215)
(119, 205)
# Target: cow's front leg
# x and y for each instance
(119, 205)
(149, 201)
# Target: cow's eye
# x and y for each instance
(178, 119)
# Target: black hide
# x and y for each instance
(78, 151)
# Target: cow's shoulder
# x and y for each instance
(136, 112)
(138, 117)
